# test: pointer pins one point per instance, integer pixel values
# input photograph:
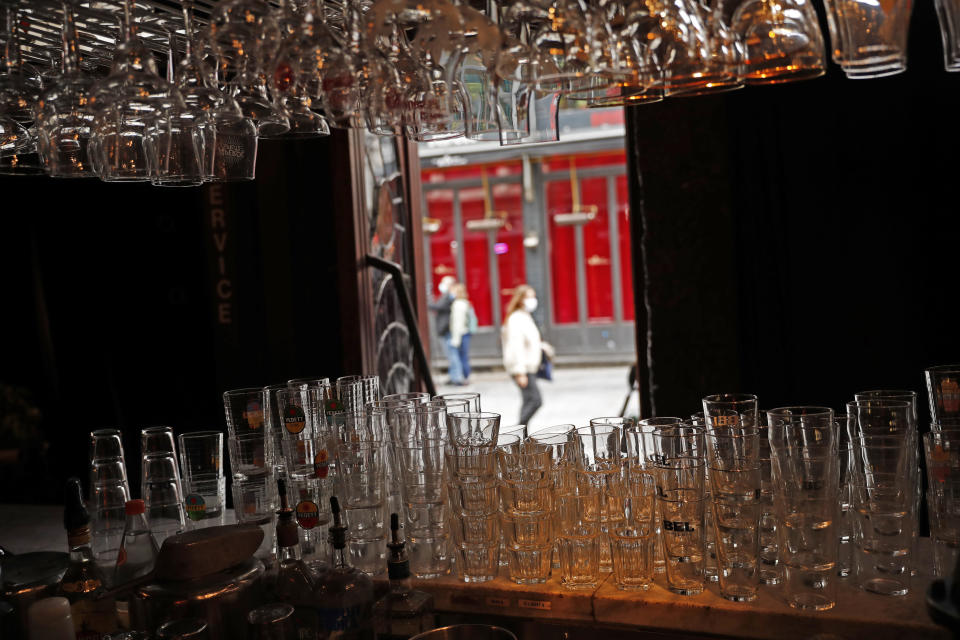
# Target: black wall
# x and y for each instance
(801, 240)
(111, 306)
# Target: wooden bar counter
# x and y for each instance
(547, 611)
(858, 614)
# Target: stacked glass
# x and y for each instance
(307, 443)
(252, 460)
(362, 463)
(599, 461)
(942, 450)
(354, 392)
(632, 505)
(680, 469)
(472, 492)
(806, 470)
(394, 479)
(579, 537)
(201, 467)
(735, 480)
(109, 492)
(885, 485)
(733, 454)
(561, 448)
(642, 452)
(163, 495)
(421, 434)
(526, 507)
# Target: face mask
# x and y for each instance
(530, 304)
(443, 287)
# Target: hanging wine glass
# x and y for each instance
(246, 35)
(478, 75)
(296, 70)
(65, 115)
(229, 139)
(176, 137)
(127, 102)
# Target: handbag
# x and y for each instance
(545, 371)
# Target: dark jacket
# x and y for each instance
(442, 307)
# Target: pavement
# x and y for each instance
(575, 395)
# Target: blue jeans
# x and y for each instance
(453, 358)
(465, 355)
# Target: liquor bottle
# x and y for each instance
(404, 611)
(344, 595)
(294, 584)
(82, 584)
(138, 549)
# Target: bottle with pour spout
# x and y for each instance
(344, 594)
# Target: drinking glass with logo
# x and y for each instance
(205, 488)
(681, 498)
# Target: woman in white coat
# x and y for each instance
(523, 348)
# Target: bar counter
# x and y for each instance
(615, 613)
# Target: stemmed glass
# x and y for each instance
(176, 138)
(295, 72)
(64, 118)
(229, 140)
(20, 87)
(128, 100)
(246, 34)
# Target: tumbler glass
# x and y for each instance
(633, 533)
(735, 479)
(942, 450)
(310, 497)
(251, 454)
(163, 496)
(473, 428)
(361, 471)
(730, 410)
(806, 470)
(477, 538)
(528, 543)
(579, 538)
(681, 498)
(106, 444)
(600, 461)
(422, 473)
(943, 391)
(244, 409)
(157, 440)
(471, 398)
(884, 496)
(201, 465)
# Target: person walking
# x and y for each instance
(463, 324)
(442, 306)
(523, 349)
